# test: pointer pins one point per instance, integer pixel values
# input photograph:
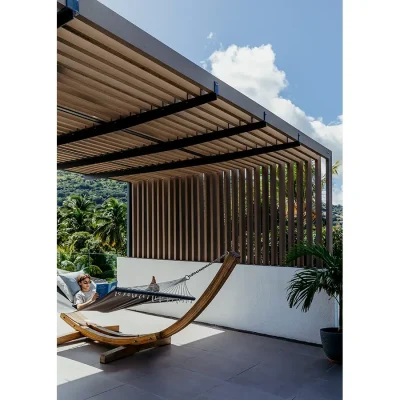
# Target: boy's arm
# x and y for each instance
(80, 306)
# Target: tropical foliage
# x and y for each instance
(311, 280)
(90, 237)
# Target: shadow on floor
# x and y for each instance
(228, 365)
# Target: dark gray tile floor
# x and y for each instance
(229, 365)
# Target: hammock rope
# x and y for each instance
(206, 266)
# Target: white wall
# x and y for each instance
(252, 299)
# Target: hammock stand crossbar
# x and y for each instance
(128, 344)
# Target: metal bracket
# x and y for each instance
(68, 13)
(216, 87)
(74, 6)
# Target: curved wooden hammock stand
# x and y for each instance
(131, 344)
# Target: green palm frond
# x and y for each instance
(311, 280)
(303, 287)
(67, 265)
(93, 270)
(110, 220)
(316, 250)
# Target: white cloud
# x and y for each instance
(253, 72)
(210, 35)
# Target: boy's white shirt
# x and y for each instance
(83, 297)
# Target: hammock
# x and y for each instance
(126, 297)
(129, 344)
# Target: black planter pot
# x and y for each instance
(332, 343)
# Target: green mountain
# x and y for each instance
(98, 190)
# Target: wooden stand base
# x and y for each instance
(118, 352)
(77, 335)
(125, 351)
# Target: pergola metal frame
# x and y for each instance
(206, 160)
(112, 148)
(163, 146)
(134, 120)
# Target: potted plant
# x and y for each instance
(311, 280)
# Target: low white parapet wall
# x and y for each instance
(252, 299)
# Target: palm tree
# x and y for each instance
(77, 214)
(110, 220)
(311, 280)
(69, 260)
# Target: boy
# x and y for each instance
(86, 295)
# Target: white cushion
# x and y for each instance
(67, 283)
(64, 288)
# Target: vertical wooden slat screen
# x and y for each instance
(188, 219)
(198, 218)
(145, 214)
(193, 212)
(206, 207)
(329, 236)
(181, 217)
(214, 223)
(170, 220)
(265, 216)
(139, 220)
(257, 217)
(176, 218)
(235, 209)
(207, 212)
(217, 217)
(153, 243)
(250, 215)
(250, 225)
(274, 218)
(221, 221)
(300, 207)
(227, 204)
(159, 218)
(144, 220)
(282, 214)
(164, 203)
(212, 206)
(318, 206)
(242, 222)
(220, 213)
(290, 181)
(134, 219)
(309, 216)
(149, 221)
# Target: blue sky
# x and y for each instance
(305, 39)
(305, 35)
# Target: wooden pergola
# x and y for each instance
(208, 169)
